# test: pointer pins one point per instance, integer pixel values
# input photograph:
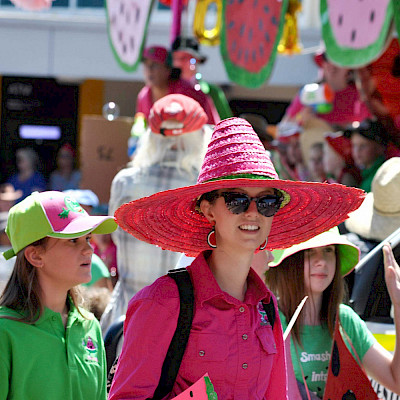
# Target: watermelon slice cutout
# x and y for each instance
(251, 30)
(127, 22)
(396, 11)
(355, 32)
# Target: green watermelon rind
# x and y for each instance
(240, 75)
(349, 57)
(396, 12)
(127, 67)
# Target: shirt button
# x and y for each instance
(244, 365)
(202, 353)
(241, 309)
(244, 337)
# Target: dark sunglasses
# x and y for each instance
(237, 203)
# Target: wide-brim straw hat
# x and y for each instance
(236, 158)
(314, 131)
(349, 253)
(379, 214)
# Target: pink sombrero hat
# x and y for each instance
(236, 158)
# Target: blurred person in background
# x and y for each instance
(66, 176)
(27, 179)
(368, 143)
(162, 79)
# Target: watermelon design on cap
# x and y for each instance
(250, 34)
(127, 22)
(355, 32)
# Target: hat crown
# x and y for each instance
(235, 149)
(187, 113)
(386, 187)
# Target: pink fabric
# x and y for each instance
(145, 101)
(347, 107)
(240, 367)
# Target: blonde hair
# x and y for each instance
(23, 292)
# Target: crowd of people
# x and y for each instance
(260, 223)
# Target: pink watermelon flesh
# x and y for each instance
(251, 29)
(127, 21)
(355, 23)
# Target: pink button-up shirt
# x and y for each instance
(231, 340)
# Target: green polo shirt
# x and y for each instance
(49, 362)
(367, 174)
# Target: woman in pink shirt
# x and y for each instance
(161, 79)
(238, 207)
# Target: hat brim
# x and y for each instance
(169, 219)
(349, 253)
(368, 223)
(84, 225)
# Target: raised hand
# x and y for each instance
(392, 274)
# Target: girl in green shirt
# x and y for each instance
(49, 347)
(315, 268)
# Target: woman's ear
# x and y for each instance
(207, 209)
(34, 255)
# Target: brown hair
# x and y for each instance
(23, 293)
(287, 282)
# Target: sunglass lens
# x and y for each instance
(236, 203)
(268, 206)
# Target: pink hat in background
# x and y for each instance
(236, 158)
(176, 114)
(157, 54)
(341, 144)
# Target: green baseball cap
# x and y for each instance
(52, 214)
(349, 253)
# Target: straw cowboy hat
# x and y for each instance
(379, 214)
(236, 158)
(349, 253)
(313, 132)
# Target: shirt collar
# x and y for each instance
(207, 288)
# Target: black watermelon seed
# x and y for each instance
(231, 24)
(353, 35)
(242, 28)
(340, 20)
(274, 20)
(372, 16)
(335, 366)
(254, 55)
(250, 34)
(266, 9)
(267, 37)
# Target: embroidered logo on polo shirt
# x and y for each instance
(91, 349)
(264, 319)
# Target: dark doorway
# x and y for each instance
(39, 113)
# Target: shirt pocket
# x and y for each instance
(267, 354)
(205, 352)
(267, 340)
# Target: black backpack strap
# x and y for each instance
(179, 341)
(269, 308)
